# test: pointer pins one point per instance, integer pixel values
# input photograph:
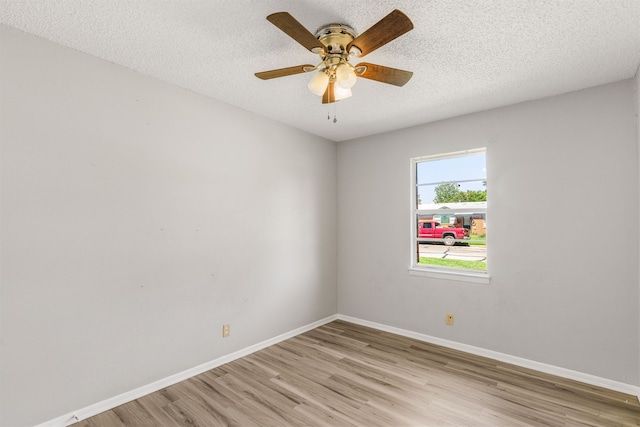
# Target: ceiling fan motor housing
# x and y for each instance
(335, 37)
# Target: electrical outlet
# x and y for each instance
(225, 331)
(449, 319)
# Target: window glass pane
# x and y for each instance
(451, 206)
(450, 192)
(469, 167)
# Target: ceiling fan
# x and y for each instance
(336, 44)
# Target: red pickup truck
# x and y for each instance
(430, 229)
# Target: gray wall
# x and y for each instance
(137, 218)
(637, 93)
(564, 284)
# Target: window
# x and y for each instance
(449, 213)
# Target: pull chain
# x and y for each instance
(335, 115)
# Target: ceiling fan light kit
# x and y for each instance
(336, 44)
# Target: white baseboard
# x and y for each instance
(113, 402)
(514, 360)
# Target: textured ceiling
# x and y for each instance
(466, 55)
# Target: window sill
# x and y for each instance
(459, 276)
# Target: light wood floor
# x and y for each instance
(342, 374)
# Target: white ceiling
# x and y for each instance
(466, 55)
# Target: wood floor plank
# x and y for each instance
(342, 374)
(136, 414)
(105, 419)
(155, 403)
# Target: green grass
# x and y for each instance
(477, 240)
(454, 263)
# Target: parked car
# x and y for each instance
(430, 229)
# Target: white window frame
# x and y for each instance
(437, 272)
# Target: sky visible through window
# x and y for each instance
(451, 169)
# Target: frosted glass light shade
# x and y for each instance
(340, 92)
(345, 76)
(319, 82)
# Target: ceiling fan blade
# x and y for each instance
(296, 31)
(384, 74)
(388, 28)
(329, 95)
(282, 72)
